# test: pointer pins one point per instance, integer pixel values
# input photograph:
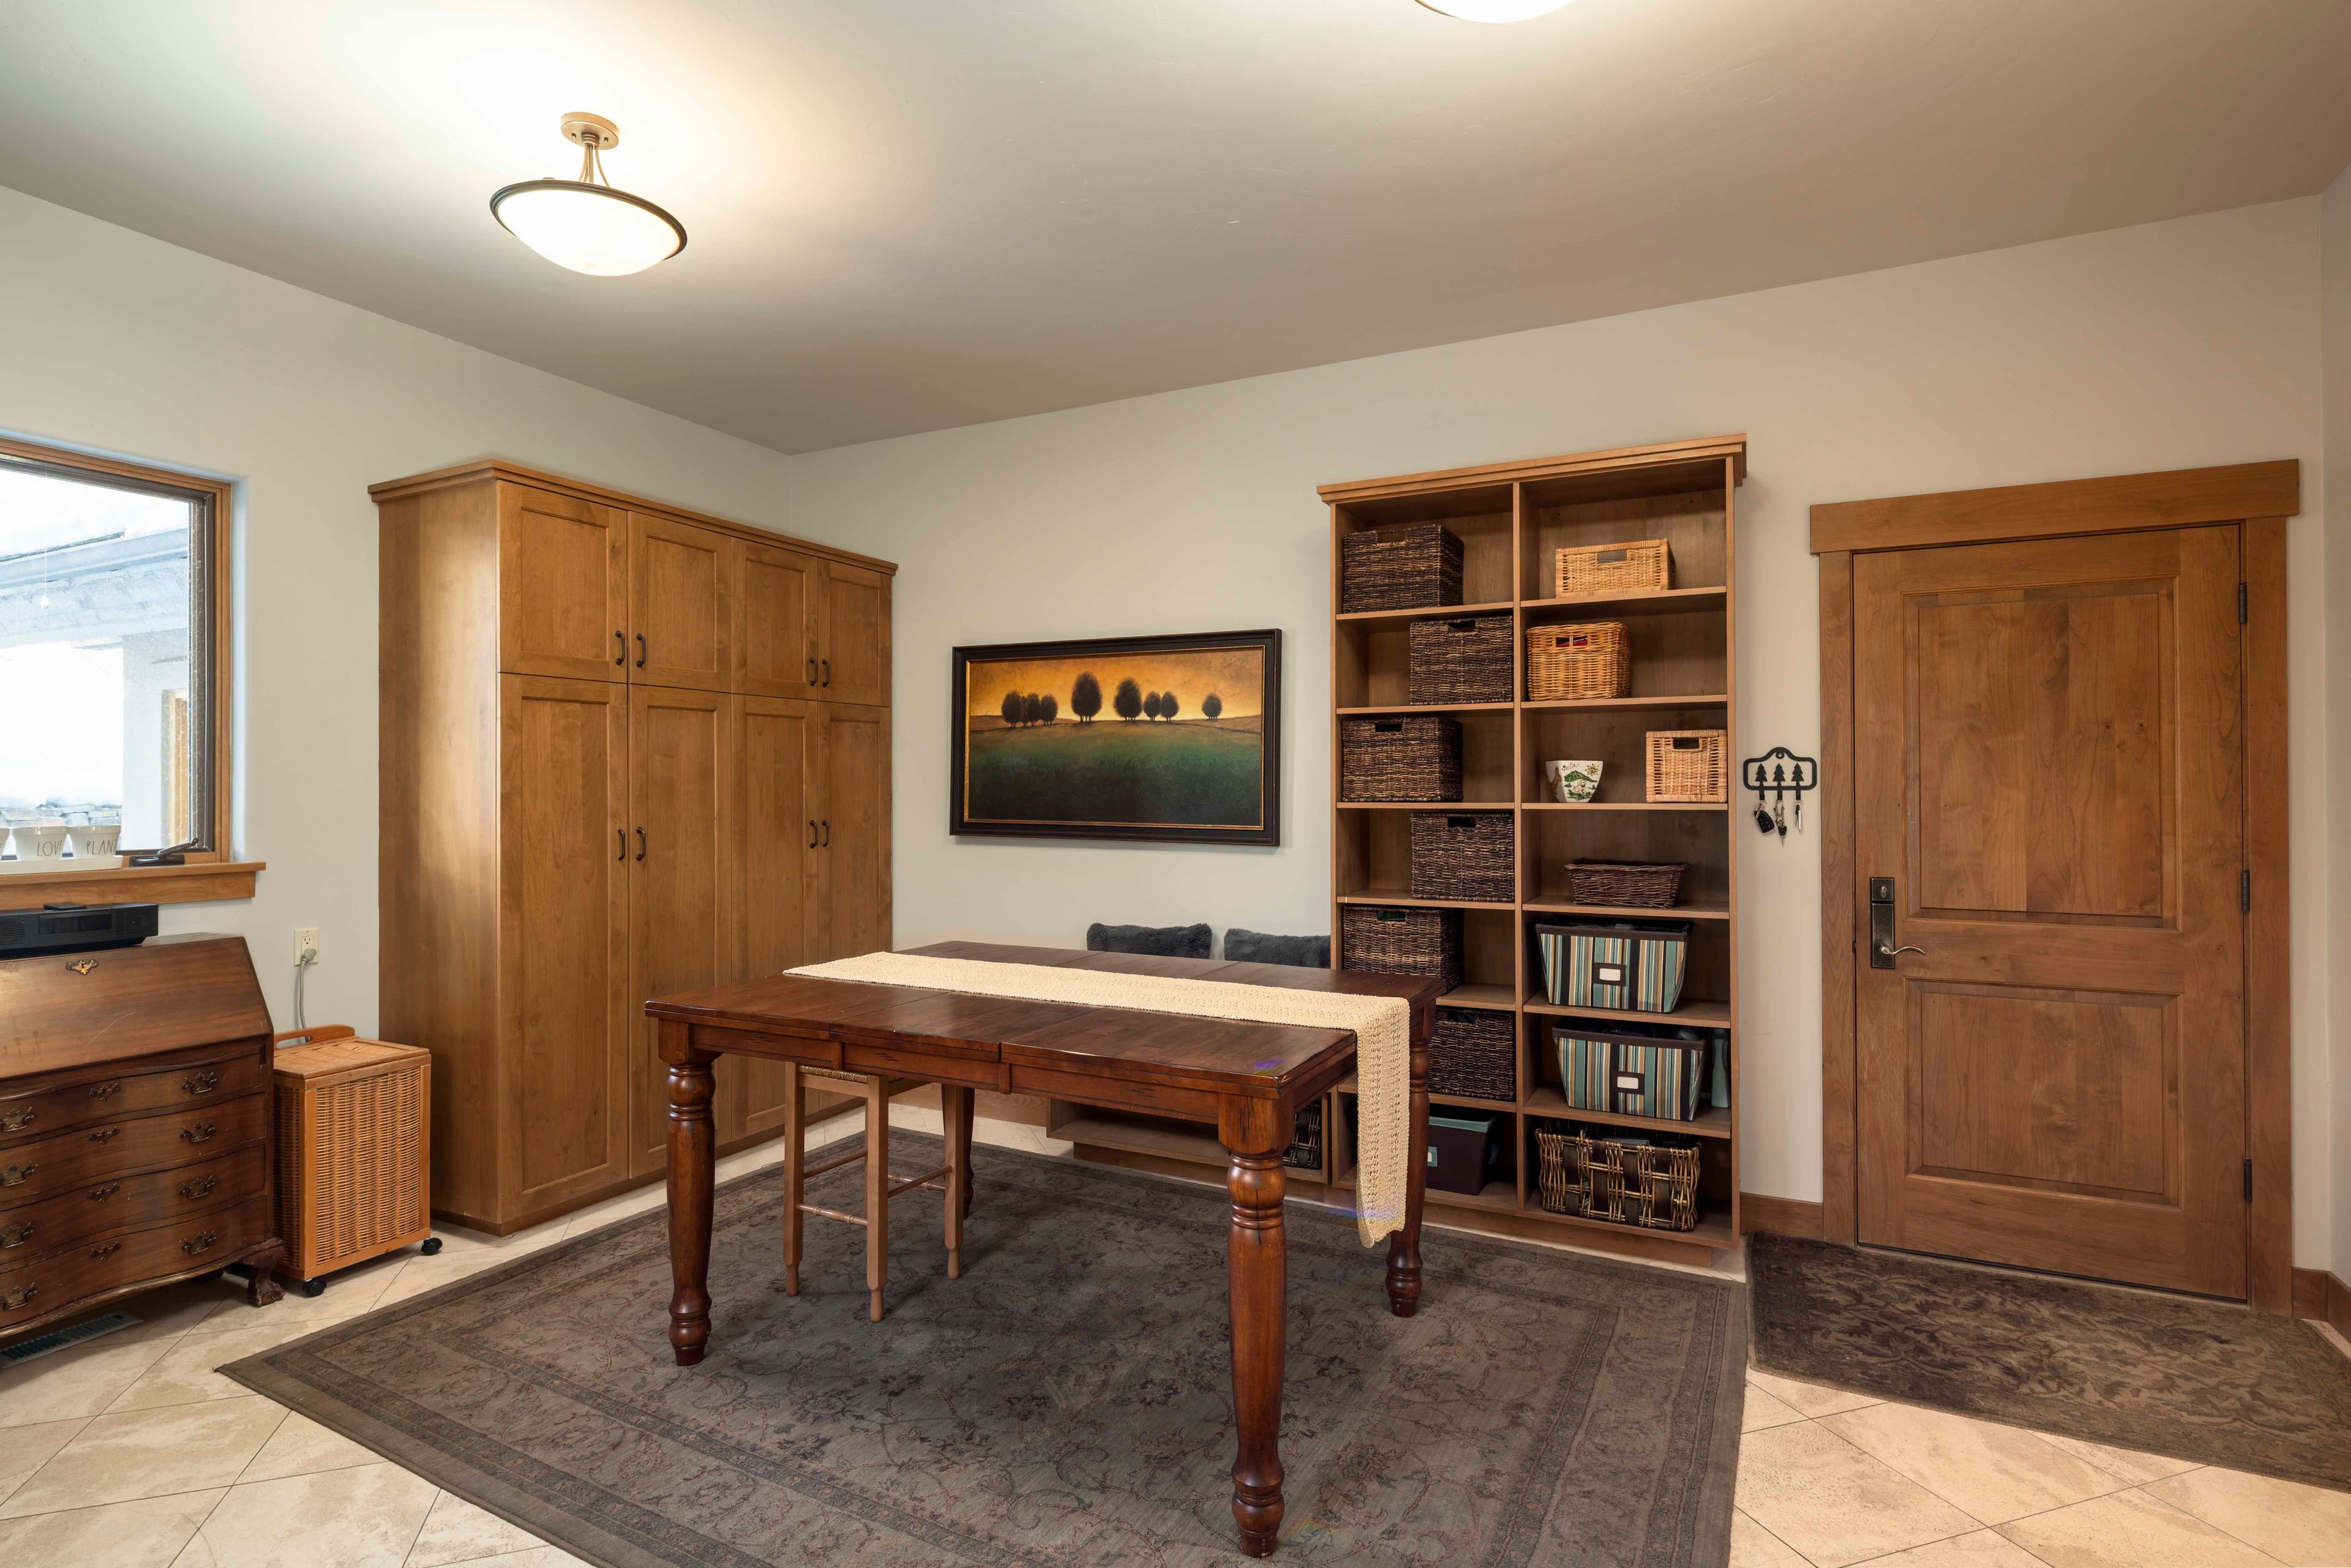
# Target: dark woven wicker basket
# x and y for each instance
(1652, 1183)
(1411, 567)
(1474, 1052)
(1465, 661)
(1305, 1151)
(1401, 941)
(1417, 758)
(1633, 884)
(1463, 854)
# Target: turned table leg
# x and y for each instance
(1257, 1260)
(1403, 1245)
(691, 1172)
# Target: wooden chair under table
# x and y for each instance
(954, 1178)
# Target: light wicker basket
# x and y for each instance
(1632, 566)
(354, 1127)
(1689, 766)
(1588, 659)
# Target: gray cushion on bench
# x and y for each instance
(1243, 947)
(1161, 941)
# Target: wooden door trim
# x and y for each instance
(2266, 493)
(2120, 503)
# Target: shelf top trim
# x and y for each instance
(498, 469)
(1524, 470)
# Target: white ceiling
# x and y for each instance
(913, 214)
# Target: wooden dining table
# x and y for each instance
(1247, 1079)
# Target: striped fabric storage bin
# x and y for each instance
(1625, 966)
(1631, 1075)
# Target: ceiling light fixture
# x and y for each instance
(1495, 10)
(583, 224)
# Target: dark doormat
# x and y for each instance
(1066, 1401)
(2165, 1375)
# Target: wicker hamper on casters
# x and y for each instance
(354, 1150)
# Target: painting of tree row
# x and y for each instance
(1125, 737)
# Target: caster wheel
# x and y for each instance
(432, 1245)
(314, 1288)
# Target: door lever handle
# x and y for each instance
(1897, 951)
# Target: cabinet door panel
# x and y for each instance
(853, 655)
(684, 582)
(562, 1074)
(562, 585)
(781, 591)
(851, 862)
(680, 854)
(778, 815)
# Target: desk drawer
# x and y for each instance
(43, 1285)
(119, 1203)
(97, 1099)
(89, 1156)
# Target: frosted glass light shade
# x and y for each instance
(1494, 10)
(589, 228)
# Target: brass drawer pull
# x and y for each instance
(106, 1091)
(201, 1082)
(106, 1134)
(199, 1133)
(17, 1121)
(17, 1176)
(192, 1191)
(20, 1297)
(199, 1241)
(100, 1194)
(16, 1235)
(106, 1249)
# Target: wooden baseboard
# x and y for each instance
(1780, 1216)
(2322, 1297)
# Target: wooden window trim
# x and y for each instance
(215, 873)
(2258, 497)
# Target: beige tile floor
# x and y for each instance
(131, 1452)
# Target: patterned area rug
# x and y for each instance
(1065, 1403)
(2164, 1375)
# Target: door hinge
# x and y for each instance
(2249, 1181)
(2244, 605)
(2245, 892)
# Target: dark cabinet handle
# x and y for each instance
(828, 833)
(621, 834)
(106, 1134)
(828, 671)
(18, 1298)
(811, 833)
(623, 656)
(201, 1082)
(15, 1236)
(106, 1249)
(640, 650)
(641, 843)
(811, 680)
(100, 1194)
(199, 1241)
(18, 1176)
(107, 1090)
(17, 1121)
(199, 1133)
(192, 1190)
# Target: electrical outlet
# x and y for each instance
(306, 945)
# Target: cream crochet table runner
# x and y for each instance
(1383, 1027)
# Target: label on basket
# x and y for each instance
(1610, 556)
(1432, 1154)
(1608, 974)
(1631, 1083)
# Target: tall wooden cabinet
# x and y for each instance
(626, 750)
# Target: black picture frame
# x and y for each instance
(1107, 652)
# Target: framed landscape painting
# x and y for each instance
(1172, 738)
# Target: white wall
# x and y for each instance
(2168, 346)
(2335, 864)
(120, 343)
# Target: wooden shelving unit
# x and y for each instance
(1511, 518)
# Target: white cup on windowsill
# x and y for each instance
(96, 841)
(40, 846)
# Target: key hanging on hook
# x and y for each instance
(1778, 798)
(1762, 817)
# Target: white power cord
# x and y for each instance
(300, 966)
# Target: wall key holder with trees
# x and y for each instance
(1176, 738)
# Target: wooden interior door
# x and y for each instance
(2049, 769)
(849, 885)
(683, 581)
(564, 586)
(853, 648)
(563, 1075)
(781, 591)
(682, 847)
(777, 761)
